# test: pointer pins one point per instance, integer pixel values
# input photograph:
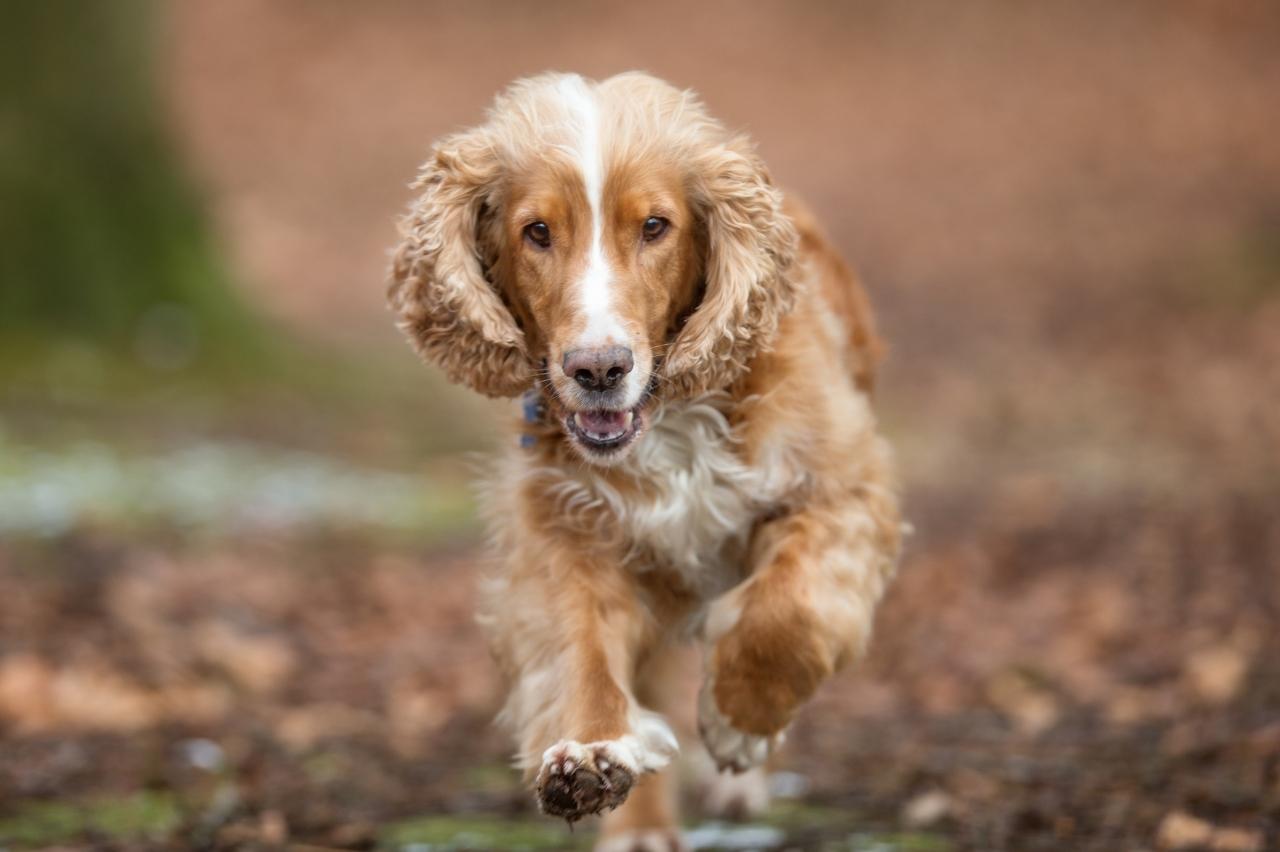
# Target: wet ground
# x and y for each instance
(332, 690)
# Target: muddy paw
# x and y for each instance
(578, 779)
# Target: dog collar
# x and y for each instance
(534, 410)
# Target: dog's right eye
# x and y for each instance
(539, 234)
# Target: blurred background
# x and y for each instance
(237, 541)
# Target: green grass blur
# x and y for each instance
(105, 239)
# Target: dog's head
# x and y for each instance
(608, 242)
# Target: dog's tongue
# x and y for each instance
(602, 422)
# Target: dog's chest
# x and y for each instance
(696, 498)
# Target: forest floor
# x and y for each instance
(238, 614)
(1056, 675)
(225, 643)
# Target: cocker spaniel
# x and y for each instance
(697, 460)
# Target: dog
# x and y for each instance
(696, 461)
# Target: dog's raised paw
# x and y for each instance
(581, 779)
(731, 749)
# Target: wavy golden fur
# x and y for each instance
(442, 285)
(722, 483)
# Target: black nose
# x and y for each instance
(598, 369)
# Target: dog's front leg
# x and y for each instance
(572, 636)
(806, 610)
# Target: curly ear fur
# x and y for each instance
(750, 283)
(438, 289)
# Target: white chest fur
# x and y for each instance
(698, 499)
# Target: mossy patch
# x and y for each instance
(140, 816)
(1239, 273)
(896, 842)
(795, 814)
(492, 778)
(844, 829)
(451, 832)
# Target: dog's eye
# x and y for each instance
(539, 234)
(654, 227)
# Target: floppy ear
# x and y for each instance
(750, 284)
(451, 312)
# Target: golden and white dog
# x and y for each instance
(698, 460)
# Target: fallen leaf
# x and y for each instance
(1032, 708)
(1216, 674)
(926, 809)
(25, 686)
(1179, 830)
(1236, 840)
(272, 828)
(257, 663)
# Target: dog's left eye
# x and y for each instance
(539, 234)
(654, 227)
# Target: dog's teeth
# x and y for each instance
(626, 424)
(577, 419)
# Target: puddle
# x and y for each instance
(447, 833)
(725, 836)
(214, 487)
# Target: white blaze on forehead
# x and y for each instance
(602, 326)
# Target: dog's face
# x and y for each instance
(599, 262)
(606, 243)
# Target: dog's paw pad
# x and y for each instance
(578, 780)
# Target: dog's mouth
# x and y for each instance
(602, 432)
